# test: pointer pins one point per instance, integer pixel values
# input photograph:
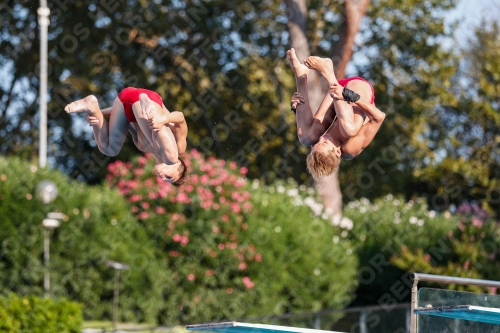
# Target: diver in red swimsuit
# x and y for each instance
(339, 129)
(154, 129)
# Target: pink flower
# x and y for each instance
(232, 165)
(143, 215)
(235, 207)
(204, 179)
(182, 198)
(135, 198)
(160, 210)
(233, 246)
(258, 257)
(142, 161)
(221, 246)
(427, 257)
(173, 253)
(145, 205)
(229, 291)
(177, 238)
(135, 209)
(244, 226)
(224, 218)
(190, 277)
(477, 222)
(209, 272)
(216, 207)
(184, 240)
(175, 216)
(242, 266)
(138, 172)
(215, 229)
(247, 206)
(243, 170)
(195, 153)
(213, 254)
(247, 282)
(153, 195)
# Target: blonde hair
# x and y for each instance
(320, 165)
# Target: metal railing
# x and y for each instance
(416, 277)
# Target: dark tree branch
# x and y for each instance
(208, 122)
(9, 97)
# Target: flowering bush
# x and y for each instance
(236, 249)
(470, 249)
(382, 230)
(305, 265)
(197, 230)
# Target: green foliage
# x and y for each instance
(413, 76)
(396, 222)
(233, 249)
(468, 250)
(39, 315)
(386, 228)
(470, 144)
(98, 228)
(305, 265)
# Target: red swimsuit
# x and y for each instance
(129, 96)
(344, 83)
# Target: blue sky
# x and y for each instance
(471, 13)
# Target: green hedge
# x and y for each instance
(39, 315)
(98, 228)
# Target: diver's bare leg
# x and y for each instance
(304, 116)
(110, 136)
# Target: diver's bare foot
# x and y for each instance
(83, 105)
(322, 65)
(146, 106)
(298, 68)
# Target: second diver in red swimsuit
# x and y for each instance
(339, 129)
(154, 129)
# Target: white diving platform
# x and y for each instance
(464, 312)
(236, 327)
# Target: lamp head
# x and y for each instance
(46, 191)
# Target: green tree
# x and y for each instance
(463, 158)
(223, 66)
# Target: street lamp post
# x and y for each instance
(117, 266)
(48, 224)
(47, 192)
(43, 22)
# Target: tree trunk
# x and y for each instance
(354, 10)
